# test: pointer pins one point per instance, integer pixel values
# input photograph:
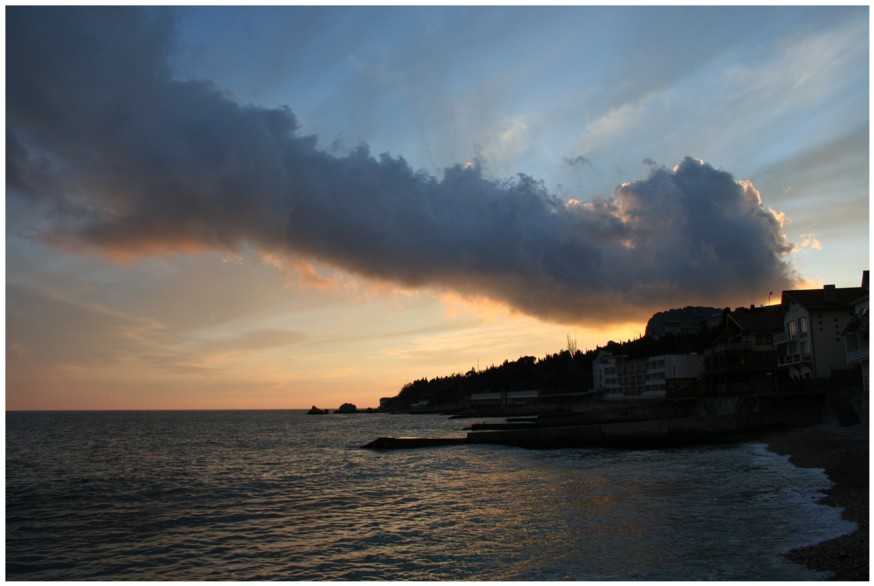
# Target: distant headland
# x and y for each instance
(345, 408)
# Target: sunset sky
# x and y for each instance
(277, 207)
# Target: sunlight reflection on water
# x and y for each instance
(282, 495)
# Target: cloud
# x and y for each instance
(838, 167)
(142, 163)
(133, 338)
(578, 161)
(809, 241)
(258, 339)
(618, 124)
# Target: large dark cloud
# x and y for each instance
(135, 160)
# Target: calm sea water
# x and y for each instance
(280, 495)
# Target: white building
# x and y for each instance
(812, 343)
(618, 378)
(856, 340)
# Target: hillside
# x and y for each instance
(567, 370)
(690, 316)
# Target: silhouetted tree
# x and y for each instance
(569, 369)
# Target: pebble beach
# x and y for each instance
(843, 453)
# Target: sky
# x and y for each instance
(279, 207)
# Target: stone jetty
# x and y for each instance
(633, 434)
(617, 430)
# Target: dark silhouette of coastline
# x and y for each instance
(843, 453)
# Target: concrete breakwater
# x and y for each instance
(632, 434)
(603, 430)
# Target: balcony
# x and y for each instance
(784, 337)
(796, 358)
(733, 347)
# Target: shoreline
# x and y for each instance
(843, 453)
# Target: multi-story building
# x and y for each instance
(856, 339)
(618, 377)
(743, 358)
(812, 344)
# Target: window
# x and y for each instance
(793, 330)
(802, 325)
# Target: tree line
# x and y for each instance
(567, 370)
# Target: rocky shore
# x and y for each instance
(843, 453)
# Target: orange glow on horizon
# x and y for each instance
(814, 283)
(353, 340)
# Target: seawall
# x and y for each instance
(642, 434)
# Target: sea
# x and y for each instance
(282, 495)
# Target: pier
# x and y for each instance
(648, 433)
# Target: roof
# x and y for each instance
(825, 298)
(758, 320)
(752, 320)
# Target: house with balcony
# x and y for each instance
(620, 378)
(743, 358)
(856, 340)
(811, 345)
